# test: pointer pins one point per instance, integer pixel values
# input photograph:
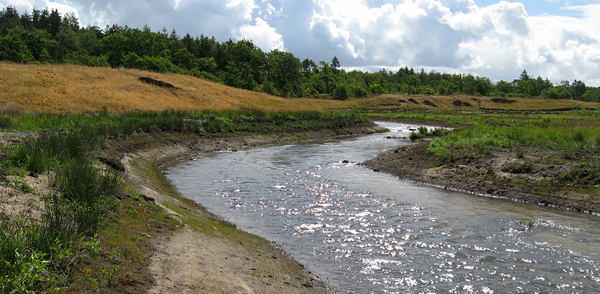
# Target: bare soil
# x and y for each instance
(15, 202)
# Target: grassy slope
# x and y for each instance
(71, 88)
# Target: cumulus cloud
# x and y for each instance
(498, 40)
(262, 35)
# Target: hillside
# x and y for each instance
(71, 88)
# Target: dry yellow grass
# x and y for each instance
(71, 88)
(467, 103)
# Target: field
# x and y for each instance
(395, 103)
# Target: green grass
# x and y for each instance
(566, 133)
(125, 124)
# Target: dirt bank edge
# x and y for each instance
(486, 176)
(207, 254)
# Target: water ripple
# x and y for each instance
(365, 232)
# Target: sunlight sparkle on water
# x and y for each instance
(366, 232)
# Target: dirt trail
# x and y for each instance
(191, 262)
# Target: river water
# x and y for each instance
(367, 232)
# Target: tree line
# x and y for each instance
(44, 36)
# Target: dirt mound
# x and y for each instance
(459, 103)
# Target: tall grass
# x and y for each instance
(125, 124)
(485, 137)
(34, 251)
(480, 133)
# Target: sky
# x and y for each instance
(555, 39)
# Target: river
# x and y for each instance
(367, 232)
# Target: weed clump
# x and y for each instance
(424, 132)
(38, 254)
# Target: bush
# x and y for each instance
(87, 188)
(358, 91)
(376, 89)
(340, 92)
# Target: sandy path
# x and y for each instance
(191, 262)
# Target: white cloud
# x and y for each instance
(262, 35)
(498, 40)
(246, 6)
(62, 8)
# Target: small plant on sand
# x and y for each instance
(519, 152)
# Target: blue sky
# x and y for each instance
(555, 39)
(540, 7)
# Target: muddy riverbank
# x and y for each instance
(529, 177)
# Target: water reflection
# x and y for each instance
(365, 232)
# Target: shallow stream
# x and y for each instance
(367, 232)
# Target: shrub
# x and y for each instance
(87, 188)
(340, 92)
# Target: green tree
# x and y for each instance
(558, 92)
(9, 19)
(376, 89)
(12, 48)
(245, 66)
(579, 89)
(524, 76)
(115, 47)
(284, 70)
(335, 62)
(184, 59)
(591, 94)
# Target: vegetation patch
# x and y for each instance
(503, 100)
(157, 83)
(424, 132)
(518, 167)
(429, 103)
(542, 158)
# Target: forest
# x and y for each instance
(44, 36)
